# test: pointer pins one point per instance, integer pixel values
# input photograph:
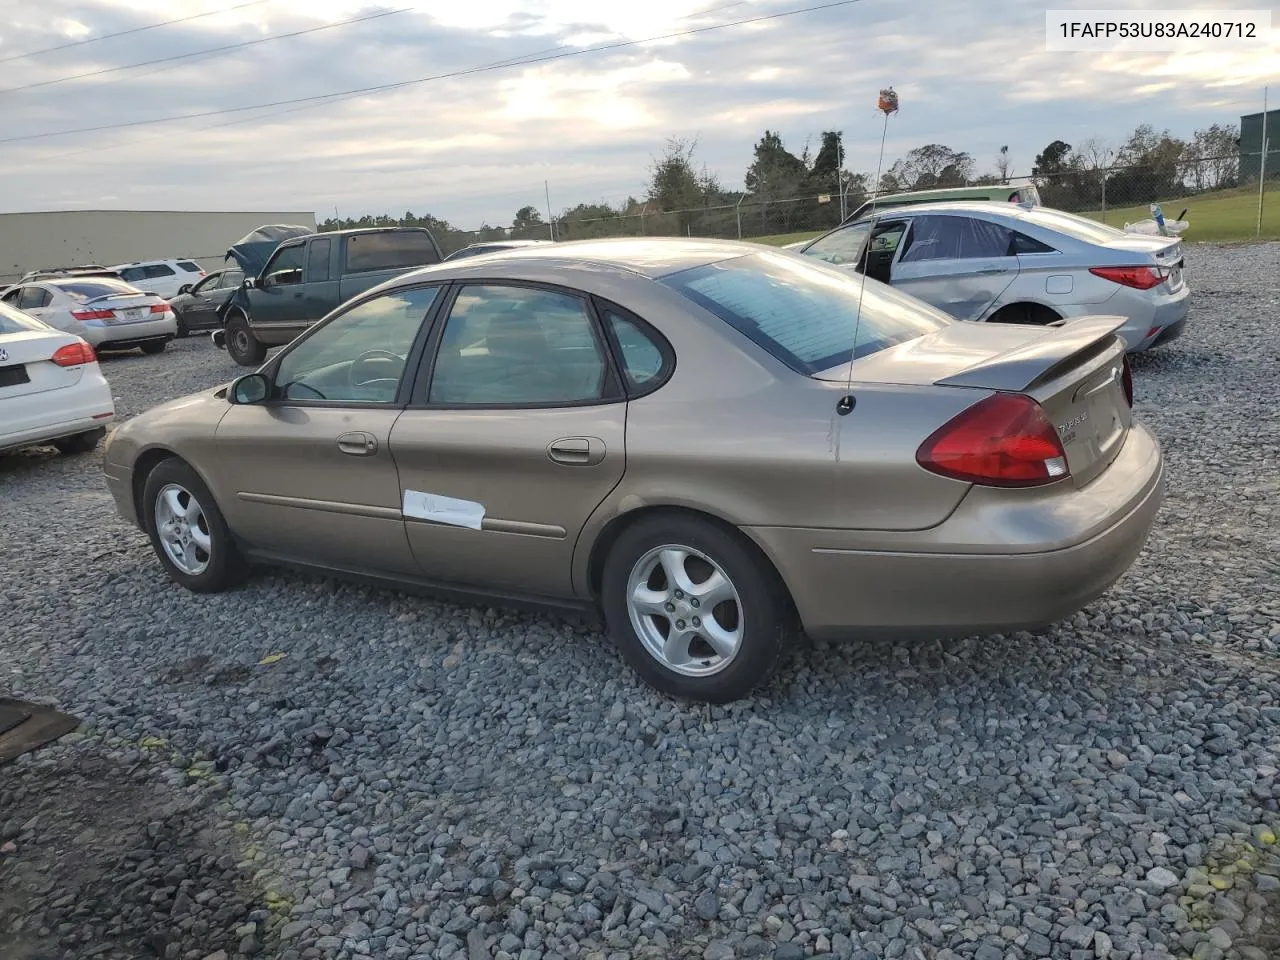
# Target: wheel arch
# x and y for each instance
(144, 465)
(1048, 312)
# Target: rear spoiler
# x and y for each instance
(1064, 344)
(124, 296)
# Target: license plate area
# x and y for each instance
(13, 376)
(130, 315)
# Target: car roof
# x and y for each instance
(990, 207)
(651, 257)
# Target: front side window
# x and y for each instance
(805, 313)
(132, 274)
(521, 346)
(286, 266)
(359, 356)
(394, 250)
(843, 246)
(208, 284)
(935, 237)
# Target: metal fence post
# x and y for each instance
(1262, 165)
(1104, 195)
(737, 212)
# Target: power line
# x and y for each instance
(202, 53)
(125, 33)
(383, 87)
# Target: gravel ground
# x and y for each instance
(304, 769)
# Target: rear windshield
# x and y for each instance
(804, 312)
(92, 289)
(1080, 228)
(390, 251)
(15, 321)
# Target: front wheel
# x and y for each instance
(188, 532)
(242, 344)
(697, 612)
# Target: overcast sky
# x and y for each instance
(971, 74)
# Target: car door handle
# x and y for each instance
(358, 444)
(990, 270)
(577, 451)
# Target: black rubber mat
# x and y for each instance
(27, 726)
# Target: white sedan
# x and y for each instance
(51, 389)
(109, 314)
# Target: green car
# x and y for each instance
(999, 192)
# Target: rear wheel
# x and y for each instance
(695, 611)
(1027, 314)
(242, 344)
(155, 346)
(188, 532)
(80, 443)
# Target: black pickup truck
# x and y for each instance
(293, 279)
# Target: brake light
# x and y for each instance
(159, 308)
(1002, 441)
(74, 354)
(93, 314)
(1140, 278)
(1126, 378)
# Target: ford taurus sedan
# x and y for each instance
(1013, 264)
(710, 443)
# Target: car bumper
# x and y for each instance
(1155, 321)
(62, 413)
(123, 335)
(999, 563)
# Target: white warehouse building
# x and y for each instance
(68, 238)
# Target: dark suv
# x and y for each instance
(306, 277)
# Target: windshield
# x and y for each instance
(92, 289)
(15, 321)
(1079, 228)
(804, 312)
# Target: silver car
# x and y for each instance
(1014, 264)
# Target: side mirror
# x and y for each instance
(185, 288)
(250, 389)
(248, 283)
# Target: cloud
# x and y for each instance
(973, 75)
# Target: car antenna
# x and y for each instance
(888, 105)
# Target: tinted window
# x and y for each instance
(131, 274)
(518, 345)
(11, 321)
(12, 296)
(287, 263)
(208, 284)
(89, 289)
(643, 360)
(157, 270)
(33, 298)
(389, 251)
(1024, 244)
(358, 356)
(841, 246)
(806, 313)
(188, 266)
(318, 260)
(956, 238)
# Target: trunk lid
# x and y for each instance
(124, 307)
(1072, 368)
(29, 368)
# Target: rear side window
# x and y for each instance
(803, 312)
(33, 298)
(188, 266)
(646, 358)
(1024, 244)
(956, 238)
(318, 260)
(157, 270)
(389, 251)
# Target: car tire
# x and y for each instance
(81, 443)
(182, 331)
(241, 343)
(750, 624)
(154, 347)
(194, 543)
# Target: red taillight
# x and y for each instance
(74, 354)
(1140, 278)
(93, 314)
(1002, 441)
(1127, 379)
(160, 308)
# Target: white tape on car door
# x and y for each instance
(440, 509)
